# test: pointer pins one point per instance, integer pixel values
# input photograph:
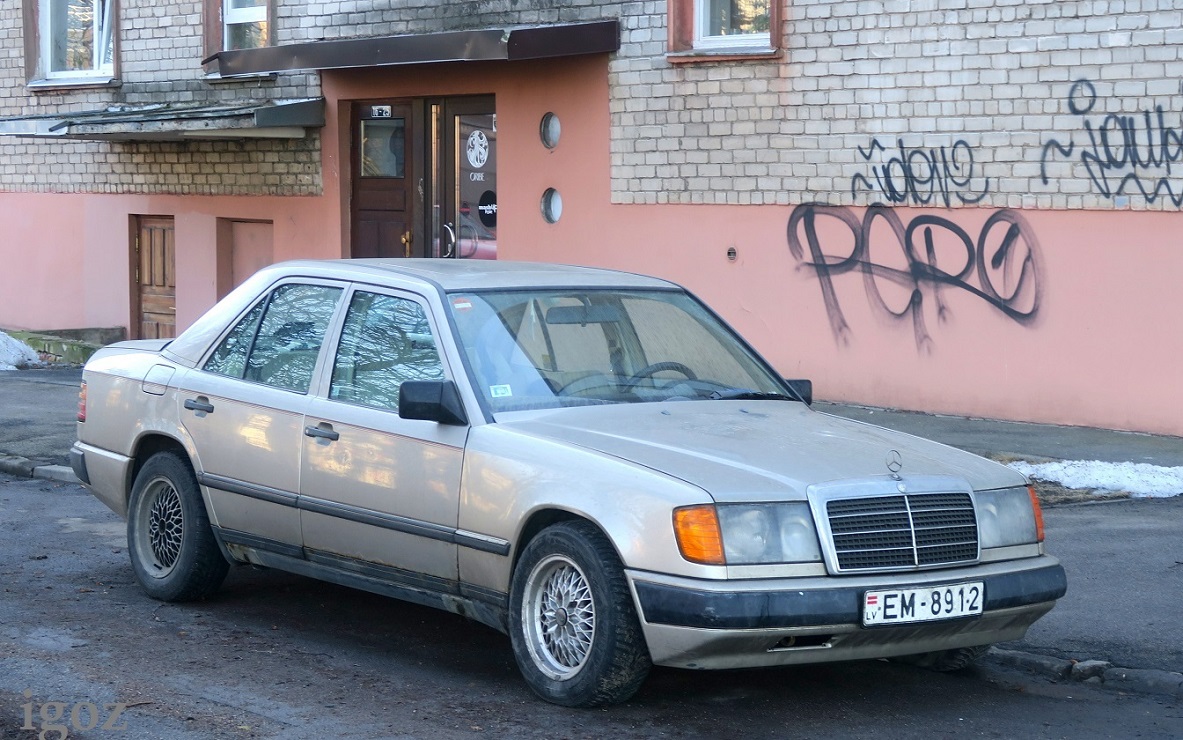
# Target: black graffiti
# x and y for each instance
(1137, 151)
(1002, 266)
(921, 176)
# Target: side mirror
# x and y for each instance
(431, 400)
(802, 388)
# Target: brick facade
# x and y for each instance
(971, 93)
(940, 103)
(160, 52)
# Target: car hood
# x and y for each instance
(753, 450)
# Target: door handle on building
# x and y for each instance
(451, 239)
(408, 237)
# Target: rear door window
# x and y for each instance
(282, 347)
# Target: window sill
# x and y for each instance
(213, 78)
(725, 54)
(72, 83)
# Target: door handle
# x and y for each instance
(323, 430)
(451, 239)
(407, 238)
(201, 403)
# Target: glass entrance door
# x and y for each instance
(424, 180)
(463, 180)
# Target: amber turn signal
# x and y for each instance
(1038, 513)
(82, 402)
(697, 531)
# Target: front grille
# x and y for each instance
(907, 531)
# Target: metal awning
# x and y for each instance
(490, 44)
(258, 119)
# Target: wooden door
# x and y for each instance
(155, 294)
(381, 207)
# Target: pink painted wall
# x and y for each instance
(68, 255)
(1100, 349)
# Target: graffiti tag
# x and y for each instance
(1120, 152)
(921, 176)
(1001, 266)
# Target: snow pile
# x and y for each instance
(14, 354)
(1138, 479)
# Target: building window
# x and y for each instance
(237, 24)
(723, 27)
(245, 23)
(77, 38)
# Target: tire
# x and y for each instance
(945, 661)
(173, 552)
(589, 650)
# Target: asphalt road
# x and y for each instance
(274, 655)
(1125, 578)
(37, 413)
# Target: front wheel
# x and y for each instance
(172, 548)
(946, 661)
(573, 627)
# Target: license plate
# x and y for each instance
(929, 604)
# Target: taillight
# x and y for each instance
(82, 402)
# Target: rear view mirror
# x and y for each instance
(583, 315)
(802, 388)
(431, 400)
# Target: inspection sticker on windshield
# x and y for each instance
(500, 391)
(908, 605)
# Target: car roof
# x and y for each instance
(424, 275)
(455, 274)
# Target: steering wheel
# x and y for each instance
(657, 367)
(586, 382)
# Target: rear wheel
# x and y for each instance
(573, 627)
(172, 548)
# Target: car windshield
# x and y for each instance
(555, 348)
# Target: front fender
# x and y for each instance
(510, 476)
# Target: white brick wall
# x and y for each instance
(994, 75)
(980, 87)
(160, 57)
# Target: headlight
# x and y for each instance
(768, 533)
(1008, 516)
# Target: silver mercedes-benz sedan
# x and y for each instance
(590, 461)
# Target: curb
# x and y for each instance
(26, 468)
(1134, 680)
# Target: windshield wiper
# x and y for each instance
(744, 394)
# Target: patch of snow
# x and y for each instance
(15, 354)
(1140, 480)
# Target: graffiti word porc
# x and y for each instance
(1002, 266)
(1122, 153)
(920, 176)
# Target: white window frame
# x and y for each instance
(104, 31)
(240, 16)
(734, 41)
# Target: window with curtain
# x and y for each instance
(731, 23)
(728, 27)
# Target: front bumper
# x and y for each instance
(729, 624)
